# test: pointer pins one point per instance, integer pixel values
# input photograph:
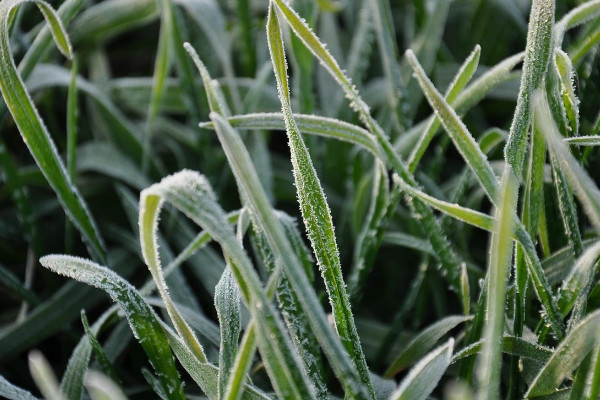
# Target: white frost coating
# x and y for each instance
(424, 376)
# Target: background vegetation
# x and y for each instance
(488, 123)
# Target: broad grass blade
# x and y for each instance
(13, 392)
(142, 319)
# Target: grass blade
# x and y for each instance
(44, 377)
(567, 356)
(102, 387)
(315, 211)
(35, 134)
(500, 256)
(141, 318)
(13, 392)
(307, 124)
(227, 304)
(421, 344)
(537, 54)
(423, 377)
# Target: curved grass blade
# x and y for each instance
(566, 79)
(307, 124)
(512, 345)
(424, 377)
(537, 54)
(462, 77)
(34, 132)
(247, 178)
(490, 360)
(583, 13)
(191, 193)
(99, 353)
(44, 377)
(443, 251)
(13, 392)
(482, 169)
(101, 387)
(567, 356)
(141, 318)
(315, 211)
(423, 343)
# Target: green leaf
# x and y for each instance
(421, 344)
(13, 392)
(227, 304)
(490, 360)
(307, 124)
(315, 211)
(424, 377)
(567, 356)
(583, 140)
(537, 54)
(34, 132)
(584, 187)
(99, 353)
(142, 319)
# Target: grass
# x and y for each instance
(303, 200)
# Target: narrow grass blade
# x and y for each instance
(191, 193)
(567, 356)
(467, 215)
(583, 13)
(315, 211)
(443, 251)
(141, 318)
(10, 281)
(462, 77)
(490, 360)
(512, 345)
(307, 124)
(227, 304)
(537, 54)
(44, 377)
(247, 178)
(99, 353)
(583, 140)
(13, 392)
(424, 377)
(101, 387)
(72, 380)
(421, 344)
(584, 187)
(566, 77)
(34, 132)
(477, 161)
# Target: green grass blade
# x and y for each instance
(537, 54)
(141, 318)
(467, 215)
(44, 377)
(247, 178)
(421, 344)
(35, 134)
(227, 304)
(423, 377)
(13, 392)
(307, 124)
(72, 380)
(583, 13)
(567, 356)
(101, 387)
(584, 187)
(191, 193)
(315, 211)
(490, 360)
(566, 78)
(442, 248)
(151, 200)
(101, 357)
(462, 77)
(583, 140)
(477, 161)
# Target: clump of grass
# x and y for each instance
(393, 294)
